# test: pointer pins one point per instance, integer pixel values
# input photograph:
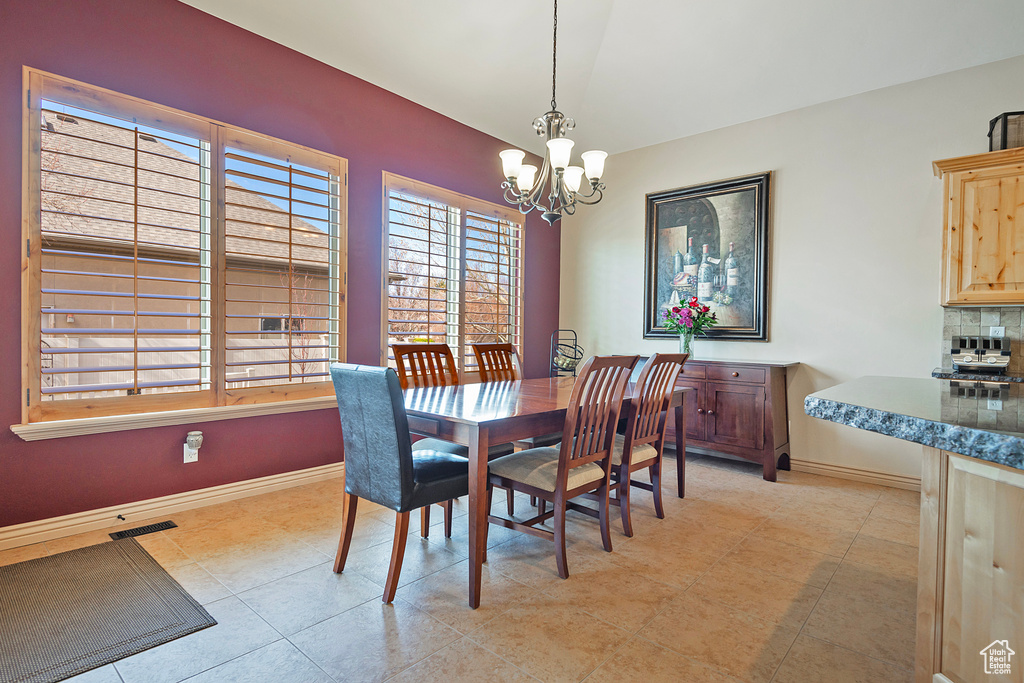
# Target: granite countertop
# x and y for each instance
(939, 413)
(943, 373)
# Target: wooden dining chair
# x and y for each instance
(433, 365)
(643, 442)
(380, 463)
(497, 362)
(581, 464)
(425, 365)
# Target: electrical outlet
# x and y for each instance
(998, 332)
(995, 404)
(191, 454)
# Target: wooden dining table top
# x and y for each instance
(488, 402)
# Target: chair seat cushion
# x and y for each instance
(641, 452)
(436, 477)
(495, 451)
(431, 466)
(538, 467)
(537, 441)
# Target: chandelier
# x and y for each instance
(525, 188)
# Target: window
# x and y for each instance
(173, 262)
(454, 269)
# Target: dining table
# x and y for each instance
(479, 415)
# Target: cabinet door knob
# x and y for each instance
(700, 410)
(711, 412)
(735, 374)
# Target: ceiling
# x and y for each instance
(634, 73)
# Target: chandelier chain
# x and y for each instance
(554, 57)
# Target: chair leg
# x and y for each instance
(397, 555)
(425, 521)
(448, 518)
(510, 502)
(627, 520)
(656, 485)
(603, 505)
(533, 501)
(487, 525)
(563, 565)
(542, 506)
(348, 523)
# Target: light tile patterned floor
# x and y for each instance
(809, 579)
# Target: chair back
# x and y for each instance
(425, 365)
(648, 409)
(593, 413)
(497, 362)
(375, 434)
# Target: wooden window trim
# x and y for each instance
(39, 85)
(396, 183)
(56, 429)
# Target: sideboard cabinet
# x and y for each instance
(739, 408)
(983, 229)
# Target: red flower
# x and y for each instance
(704, 309)
(675, 309)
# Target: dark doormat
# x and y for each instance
(65, 614)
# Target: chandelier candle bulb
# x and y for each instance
(511, 162)
(593, 163)
(573, 175)
(525, 179)
(560, 152)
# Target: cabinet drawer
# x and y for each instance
(736, 373)
(692, 371)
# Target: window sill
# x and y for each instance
(57, 429)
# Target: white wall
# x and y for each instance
(855, 241)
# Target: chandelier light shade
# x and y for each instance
(525, 186)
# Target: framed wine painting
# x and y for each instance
(711, 242)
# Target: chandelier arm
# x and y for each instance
(542, 178)
(597, 192)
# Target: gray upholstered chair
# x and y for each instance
(433, 365)
(380, 464)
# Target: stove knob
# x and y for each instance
(992, 360)
(968, 358)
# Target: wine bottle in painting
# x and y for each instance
(732, 273)
(705, 278)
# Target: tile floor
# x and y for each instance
(809, 579)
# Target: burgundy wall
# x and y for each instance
(172, 54)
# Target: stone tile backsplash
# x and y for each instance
(977, 322)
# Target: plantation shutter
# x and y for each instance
(282, 249)
(173, 262)
(125, 257)
(454, 271)
(423, 270)
(493, 265)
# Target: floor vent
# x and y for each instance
(143, 530)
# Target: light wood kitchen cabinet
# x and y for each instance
(971, 569)
(983, 228)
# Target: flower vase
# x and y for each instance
(686, 343)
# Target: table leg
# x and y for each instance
(681, 448)
(478, 445)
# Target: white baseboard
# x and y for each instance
(899, 481)
(105, 518)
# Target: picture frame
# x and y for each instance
(722, 214)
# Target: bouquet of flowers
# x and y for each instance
(689, 319)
